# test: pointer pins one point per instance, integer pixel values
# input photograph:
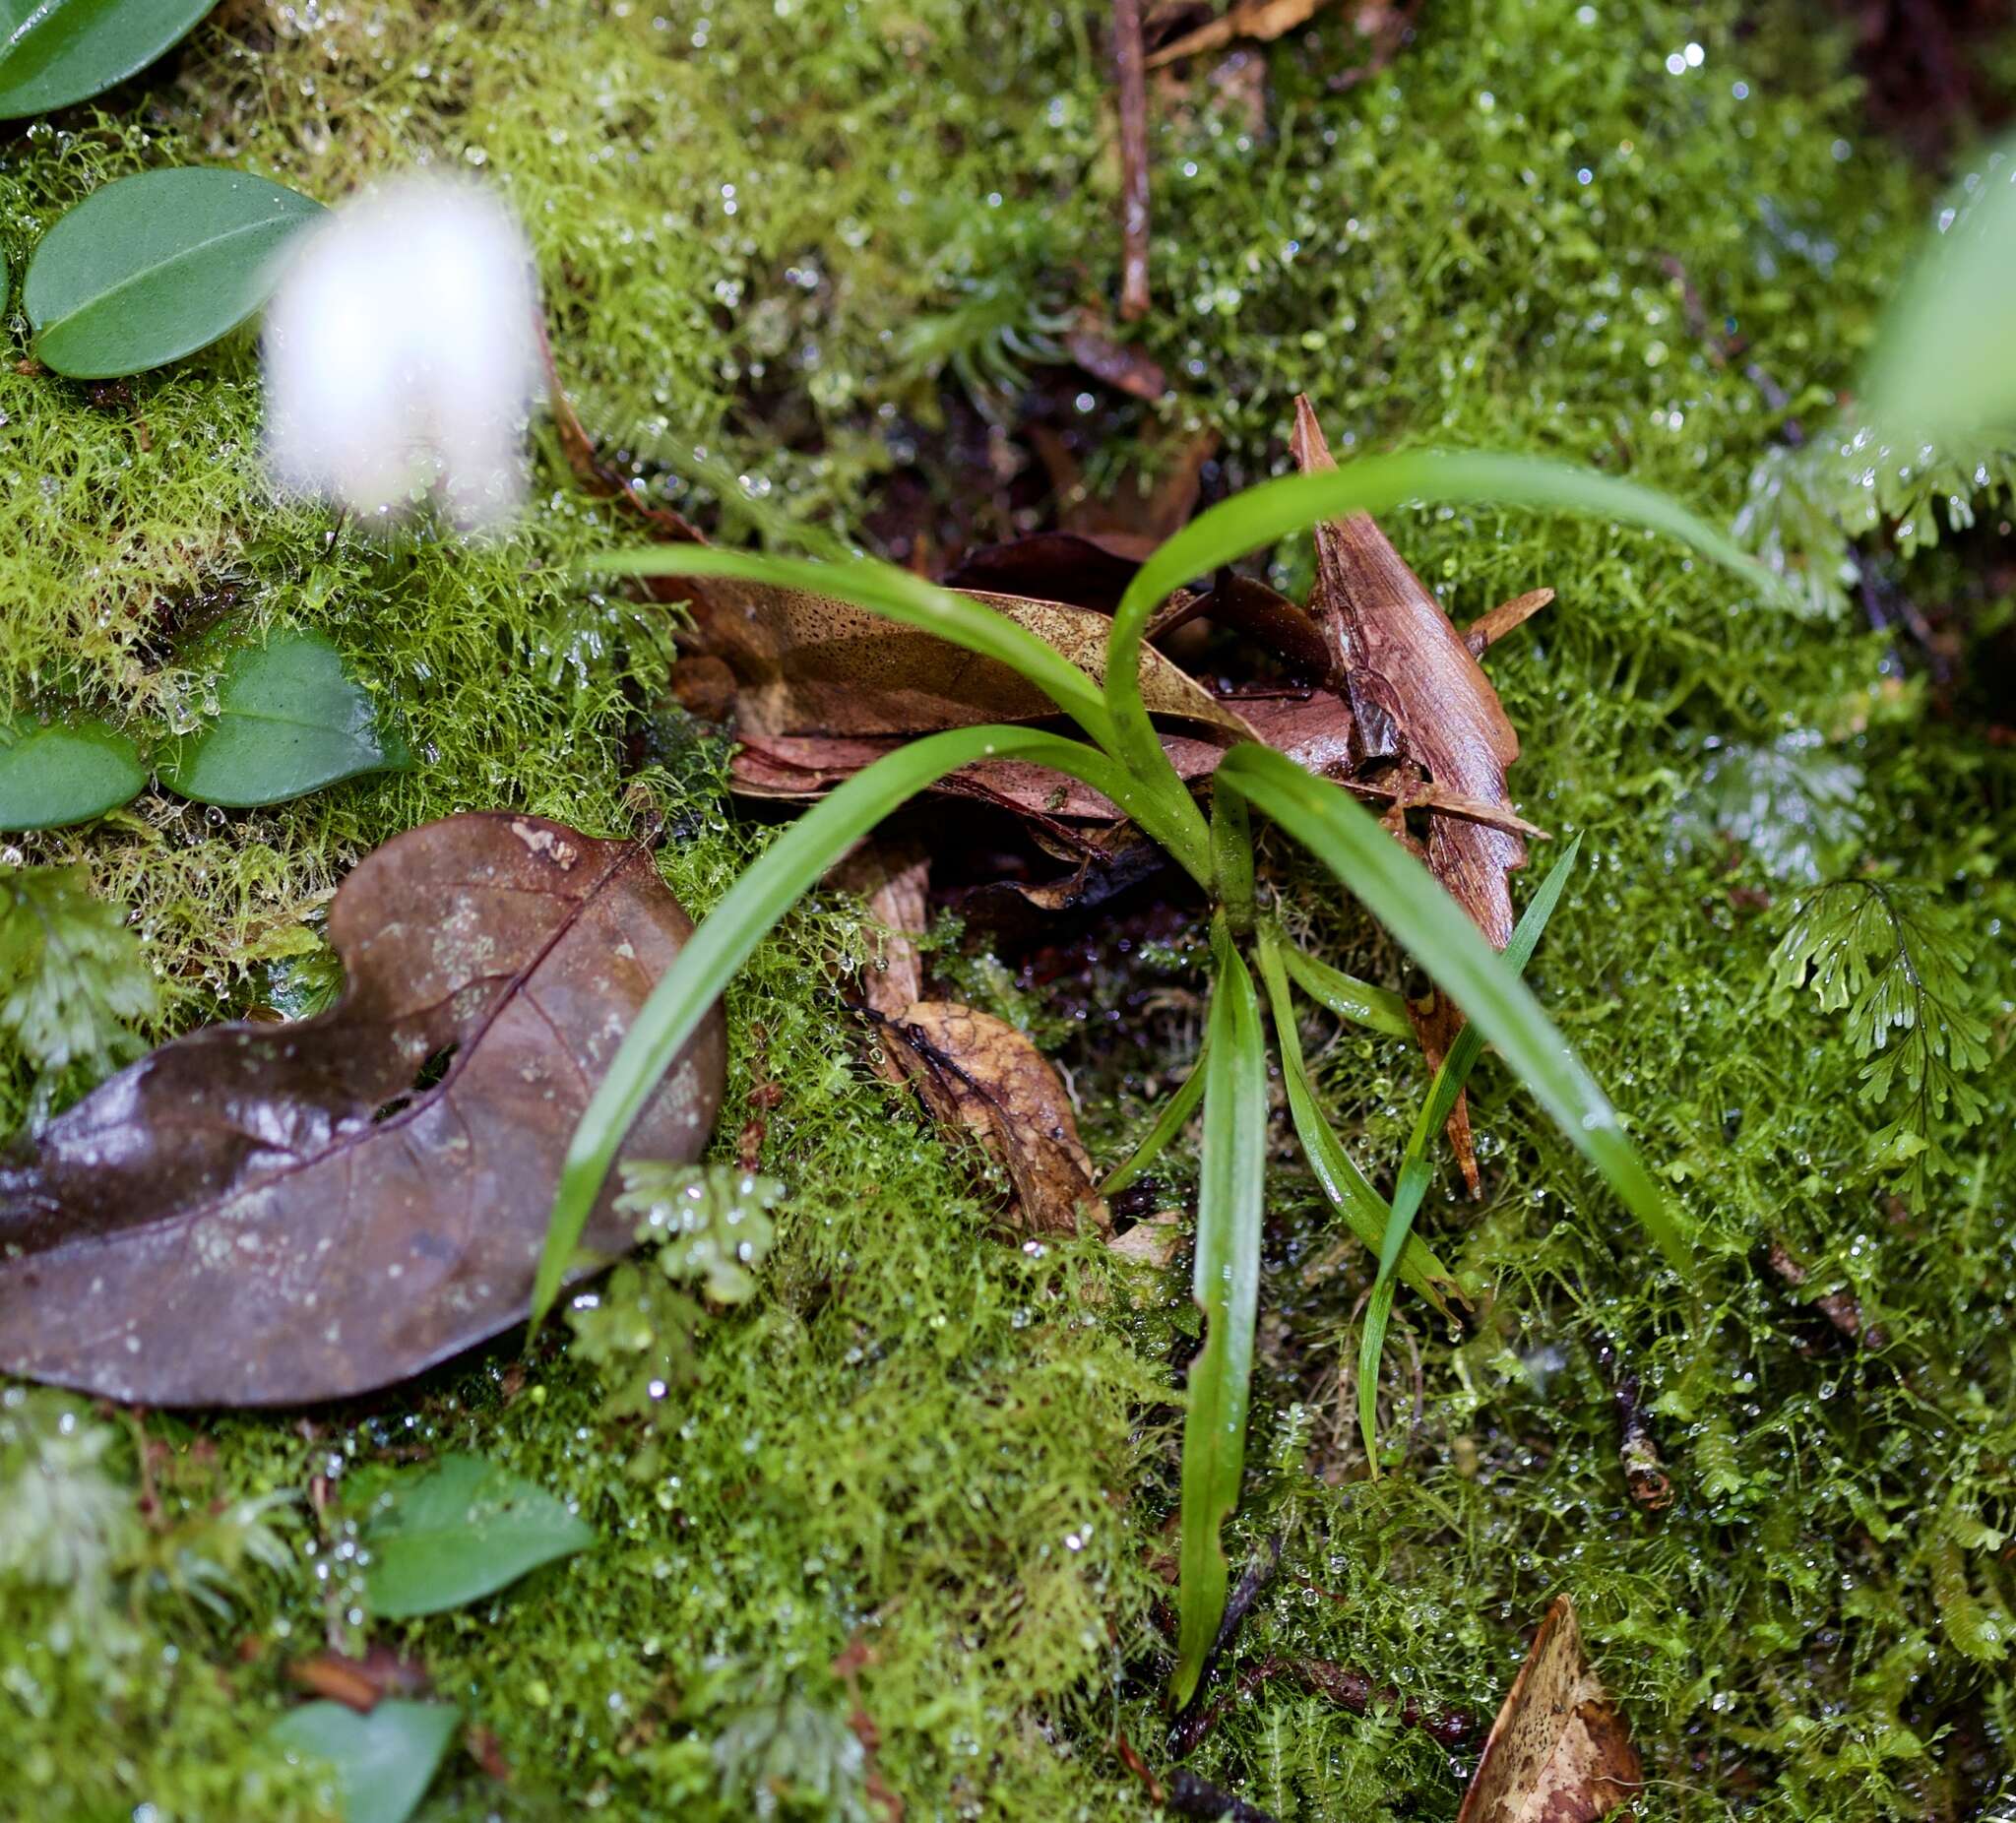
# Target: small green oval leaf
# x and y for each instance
(383, 1762)
(65, 773)
(59, 51)
(461, 1530)
(291, 719)
(152, 268)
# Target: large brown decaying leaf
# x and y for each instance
(1559, 1752)
(976, 1072)
(268, 1215)
(806, 664)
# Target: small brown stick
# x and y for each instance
(1133, 79)
(1131, 1759)
(1644, 1471)
(1487, 630)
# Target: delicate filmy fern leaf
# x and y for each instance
(1895, 960)
(72, 977)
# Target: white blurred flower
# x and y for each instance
(402, 354)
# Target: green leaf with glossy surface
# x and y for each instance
(1945, 360)
(462, 1529)
(727, 936)
(383, 1762)
(58, 51)
(290, 720)
(149, 269)
(1167, 1124)
(1231, 1200)
(1364, 1208)
(1346, 995)
(1259, 516)
(1415, 1171)
(65, 771)
(1420, 915)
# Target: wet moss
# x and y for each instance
(770, 236)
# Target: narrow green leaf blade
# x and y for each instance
(1167, 1124)
(151, 268)
(457, 1530)
(1346, 995)
(290, 721)
(383, 1762)
(60, 51)
(1254, 519)
(1403, 897)
(1364, 1208)
(1231, 1200)
(751, 908)
(1415, 1171)
(66, 772)
(1944, 367)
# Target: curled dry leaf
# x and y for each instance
(1559, 1752)
(265, 1215)
(976, 1072)
(806, 664)
(1422, 706)
(895, 879)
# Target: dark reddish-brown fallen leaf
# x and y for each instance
(895, 879)
(1417, 696)
(1559, 1752)
(268, 1215)
(976, 1072)
(360, 1683)
(1119, 364)
(1421, 706)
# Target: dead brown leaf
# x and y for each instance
(806, 664)
(360, 1683)
(895, 879)
(1559, 1752)
(1263, 20)
(273, 1214)
(1422, 706)
(976, 1072)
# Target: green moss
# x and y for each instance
(917, 1437)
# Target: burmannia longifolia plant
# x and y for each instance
(1123, 758)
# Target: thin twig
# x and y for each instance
(1133, 79)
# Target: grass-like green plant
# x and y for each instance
(1123, 758)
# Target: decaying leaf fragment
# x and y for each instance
(1558, 1751)
(976, 1072)
(1422, 706)
(265, 1215)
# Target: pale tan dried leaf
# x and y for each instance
(806, 664)
(1152, 1243)
(895, 879)
(1248, 19)
(1559, 1752)
(978, 1075)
